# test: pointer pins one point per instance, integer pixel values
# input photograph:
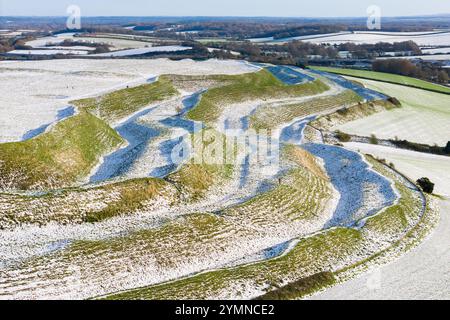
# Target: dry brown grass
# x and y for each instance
(305, 159)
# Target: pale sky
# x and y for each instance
(273, 8)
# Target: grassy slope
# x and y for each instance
(69, 151)
(313, 255)
(259, 85)
(122, 103)
(188, 236)
(352, 113)
(61, 156)
(194, 179)
(198, 175)
(77, 205)
(269, 117)
(133, 196)
(387, 77)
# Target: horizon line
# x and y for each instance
(226, 16)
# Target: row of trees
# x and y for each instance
(421, 70)
(295, 52)
(365, 51)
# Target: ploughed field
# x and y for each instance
(196, 180)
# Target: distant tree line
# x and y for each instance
(421, 70)
(366, 51)
(293, 53)
(99, 47)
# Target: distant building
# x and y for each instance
(345, 55)
(398, 54)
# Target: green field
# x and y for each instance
(387, 77)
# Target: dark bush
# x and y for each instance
(373, 139)
(447, 148)
(426, 185)
(343, 137)
(405, 144)
(395, 102)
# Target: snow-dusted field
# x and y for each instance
(33, 92)
(117, 44)
(424, 117)
(363, 191)
(422, 273)
(444, 50)
(49, 52)
(138, 51)
(413, 164)
(419, 274)
(368, 37)
(221, 229)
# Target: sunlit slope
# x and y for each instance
(69, 150)
(252, 86)
(189, 184)
(58, 157)
(269, 117)
(119, 104)
(332, 252)
(194, 242)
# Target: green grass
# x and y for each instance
(122, 103)
(240, 88)
(387, 77)
(61, 156)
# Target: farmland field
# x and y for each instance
(120, 208)
(423, 118)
